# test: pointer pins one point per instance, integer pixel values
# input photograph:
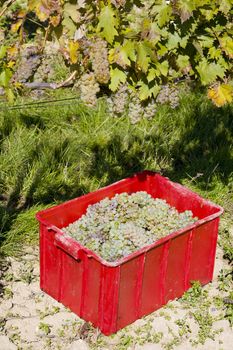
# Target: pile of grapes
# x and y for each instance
(114, 228)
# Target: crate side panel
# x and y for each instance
(203, 252)
(174, 285)
(71, 283)
(130, 275)
(151, 293)
(91, 279)
(50, 264)
(108, 299)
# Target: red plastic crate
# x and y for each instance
(113, 295)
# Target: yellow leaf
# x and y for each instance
(10, 64)
(12, 52)
(15, 26)
(73, 50)
(221, 94)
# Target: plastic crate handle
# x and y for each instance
(67, 244)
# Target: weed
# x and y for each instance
(44, 327)
(184, 329)
(229, 308)
(205, 322)
(7, 293)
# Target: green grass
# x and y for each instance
(50, 153)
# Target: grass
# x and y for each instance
(50, 153)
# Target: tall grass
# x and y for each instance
(56, 152)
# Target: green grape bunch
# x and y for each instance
(114, 228)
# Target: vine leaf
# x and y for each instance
(144, 91)
(186, 8)
(71, 10)
(226, 44)
(108, 23)
(117, 77)
(143, 56)
(73, 51)
(209, 71)
(221, 94)
(5, 77)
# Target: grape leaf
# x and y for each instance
(73, 50)
(152, 74)
(69, 25)
(221, 94)
(71, 10)
(209, 71)
(144, 91)
(108, 23)
(225, 6)
(163, 67)
(143, 55)
(164, 12)
(10, 95)
(2, 52)
(121, 54)
(226, 44)
(183, 61)
(173, 41)
(117, 77)
(186, 8)
(5, 77)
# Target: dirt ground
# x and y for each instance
(30, 319)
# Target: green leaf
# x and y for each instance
(183, 61)
(121, 54)
(206, 41)
(71, 10)
(225, 6)
(163, 67)
(5, 77)
(164, 13)
(143, 55)
(129, 47)
(173, 41)
(226, 44)
(184, 41)
(144, 91)
(117, 77)
(10, 95)
(155, 90)
(69, 26)
(209, 71)
(152, 74)
(186, 8)
(2, 52)
(108, 23)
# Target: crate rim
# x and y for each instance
(67, 240)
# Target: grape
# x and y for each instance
(88, 89)
(150, 110)
(135, 108)
(120, 101)
(168, 94)
(114, 228)
(30, 60)
(51, 69)
(99, 58)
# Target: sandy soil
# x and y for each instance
(30, 319)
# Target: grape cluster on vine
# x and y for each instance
(89, 87)
(114, 228)
(168, 94)
(99, 58)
